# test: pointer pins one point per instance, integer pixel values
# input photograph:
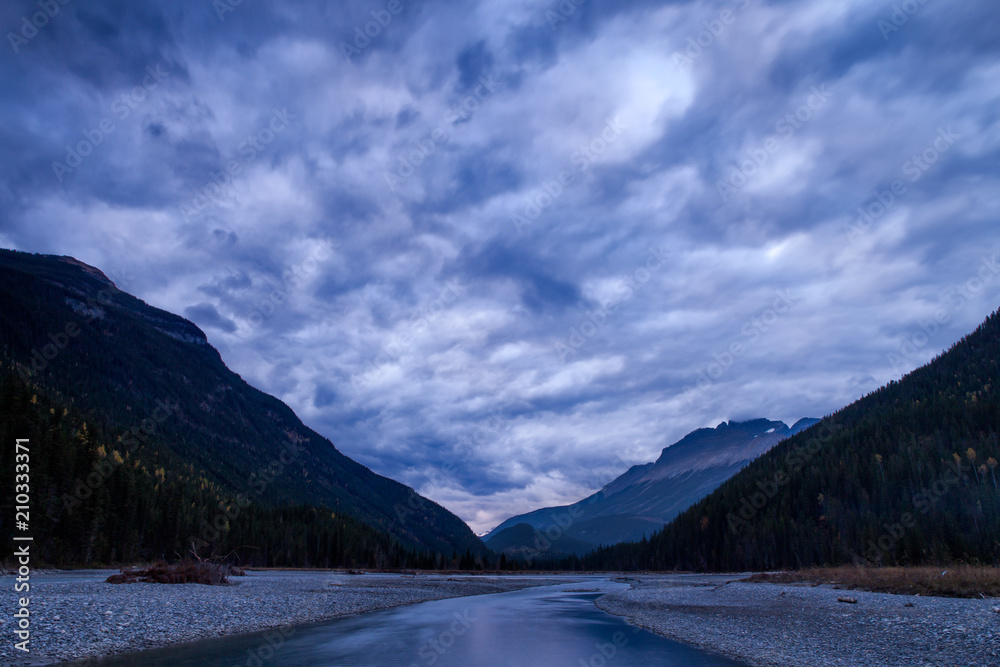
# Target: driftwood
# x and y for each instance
(184, 572)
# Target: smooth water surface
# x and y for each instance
(548, 626)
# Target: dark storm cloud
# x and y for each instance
(539, 290)
(499, 365)
(207, 315)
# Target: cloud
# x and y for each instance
(755, 151)
(206, 314)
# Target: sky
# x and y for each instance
(501, 251)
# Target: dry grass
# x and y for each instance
(961, 581)
(183, 572)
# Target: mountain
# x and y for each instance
(526, 542)
(904, 476)
(91, 504)
(162, 395)
(647, 496)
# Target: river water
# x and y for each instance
(549, 626)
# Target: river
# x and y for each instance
(549, 626)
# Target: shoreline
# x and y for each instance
(775, 625)
(77, 617)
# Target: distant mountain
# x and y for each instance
(647, 496)
(526, 542)
(87, 348)
(906, 475)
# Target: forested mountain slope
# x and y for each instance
(905, 475)
(92, 503)
(644, 498)
(73, 337)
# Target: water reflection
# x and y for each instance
(548, 626)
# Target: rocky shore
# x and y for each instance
(768, 625)
(77, 615)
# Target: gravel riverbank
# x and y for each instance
(76, 615)
(770, 625)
